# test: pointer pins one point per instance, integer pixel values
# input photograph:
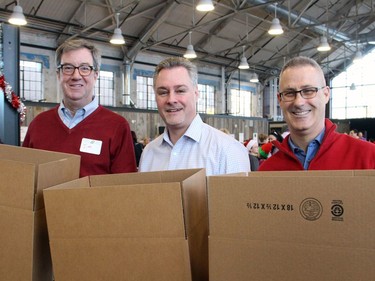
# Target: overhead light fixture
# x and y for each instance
(243, 64)
(275, 28)
(254, 78)
(117, 38)
(352, 87)
(205, 6)
(324, 46)
(358, 56)
(190, 53)
(17, 17)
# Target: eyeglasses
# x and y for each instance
(307, 93)
(68, 69)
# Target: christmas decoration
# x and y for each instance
(12, 98)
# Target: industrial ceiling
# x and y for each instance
(221, 37)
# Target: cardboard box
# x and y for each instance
(292, 227)
(136, 226)
(24, 173)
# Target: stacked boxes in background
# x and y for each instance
(292, 226)
(24, 173)
(137, 226)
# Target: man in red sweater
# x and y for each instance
(313, 143)
(79, 125)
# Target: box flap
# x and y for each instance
(26, 172)
(148, 210)
(17, 184)
(53, 173)
(31, 155)
(142, 178)
(337, 211)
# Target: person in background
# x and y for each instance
(187, 142)
(361, 137)
(262, 139)
(138, 147)
(272, 137)
(79, 125)
(354, 133)
(145, 141)
(313, 143)
(253, 148)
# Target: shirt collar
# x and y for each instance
(194, 130)
(86, 110)
(318, 139)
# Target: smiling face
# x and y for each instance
(78, 90)
(305, 117)
(176, 98)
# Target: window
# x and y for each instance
(145, 93)
(240, 102)
(353, 91)
(105, 88)
(206, 101)
(31, 81)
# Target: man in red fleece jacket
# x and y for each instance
(79, 125)
(313, 143)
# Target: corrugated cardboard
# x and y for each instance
(24, 173)
(137, 226)
(292, 227)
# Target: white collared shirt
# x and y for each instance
(202, 146)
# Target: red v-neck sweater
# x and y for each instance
(48, 132)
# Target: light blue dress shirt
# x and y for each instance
(71, 121)
(312, 149)
(202, 146)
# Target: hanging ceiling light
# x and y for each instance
(323, 46)
(275, 28)
(243, 64)
(205, 6)
(190, 53)
(17, 17)
(352, 87)
(117, 38)
(254, 78)
(358, 56)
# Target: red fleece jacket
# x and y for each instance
(337, 152)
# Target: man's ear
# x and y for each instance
(278, 97)
(327, 93)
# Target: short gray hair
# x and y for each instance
(173, 62)
(76, 44)
(300, 61)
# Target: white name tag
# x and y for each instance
(91, 146)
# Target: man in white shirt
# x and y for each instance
(187, 142)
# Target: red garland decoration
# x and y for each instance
(12, 98)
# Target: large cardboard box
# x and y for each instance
(24, 173)
(298, 226)
(136, 226)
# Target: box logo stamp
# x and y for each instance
(311, 209)
(337, 210)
